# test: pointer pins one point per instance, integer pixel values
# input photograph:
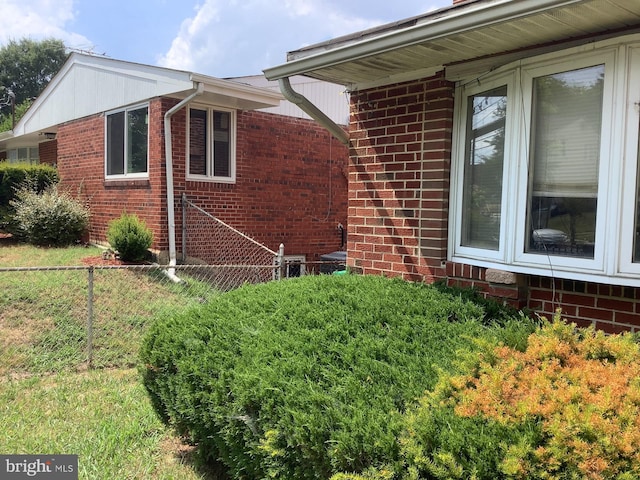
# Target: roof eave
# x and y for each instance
(460, 20)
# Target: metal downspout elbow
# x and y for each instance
(314, 112)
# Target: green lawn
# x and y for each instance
(103, 415)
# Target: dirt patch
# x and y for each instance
(102, 260)
(7, 239)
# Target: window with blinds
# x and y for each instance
(565, 154)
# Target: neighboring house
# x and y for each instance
(237, 150)
(494, 144)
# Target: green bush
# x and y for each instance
(304, 378)
(13, 177)
(130, 237)
(494, 310)
(49, 218)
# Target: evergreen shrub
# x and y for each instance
(565, 407)
(305, 378)
(49, 218)
(14, 177)
(130, 237)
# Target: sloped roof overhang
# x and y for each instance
(488, 33)
(88, 85)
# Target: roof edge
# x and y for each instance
(463, 18)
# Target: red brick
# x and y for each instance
(282, 191)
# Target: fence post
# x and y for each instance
(283, 268)
(184, 227)
(90, 318)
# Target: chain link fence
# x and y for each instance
(56, 319)
(230, 254)
(73, 318)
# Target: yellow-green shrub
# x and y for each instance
(568, 406)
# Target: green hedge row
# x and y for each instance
(306, 378)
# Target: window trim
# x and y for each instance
(125, 175)
(211, 109)
(595, 264)
(459, 151)
(631, 168)
(619, 165)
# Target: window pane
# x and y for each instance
(484, 159)
(198, 142)
(563, 192)
(221, 142)
(115, 144)
(137, 141)
(636, 240)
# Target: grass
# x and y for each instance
(44, 314)
(102, 415)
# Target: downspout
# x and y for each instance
(314, 112)
(168, 147)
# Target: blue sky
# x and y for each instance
(222, 38)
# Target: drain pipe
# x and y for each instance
(310, 109)
(168, 147)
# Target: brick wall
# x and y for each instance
(399, 179)
(291, 185)
(398, 207)
(291, 182)
(48, 152)
(81, 160)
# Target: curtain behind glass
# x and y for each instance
(567, 123)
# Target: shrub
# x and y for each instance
(50, 218)
(130, 237)
(304, 378)
(13, 177)
(568, 406)
(494, 310)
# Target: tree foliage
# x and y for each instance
(26, 67)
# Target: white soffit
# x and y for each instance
(423, 45)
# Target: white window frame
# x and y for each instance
(125, 175)
(618, 170)
(528, 74)
(209, 154)
(631, 175)
(33, 155)
(459, 151)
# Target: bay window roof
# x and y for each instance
(464, 39)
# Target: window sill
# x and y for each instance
(134, 183)
(558, 271)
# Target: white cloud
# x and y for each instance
(231, 38)
(39, 19)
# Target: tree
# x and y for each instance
(26, 67)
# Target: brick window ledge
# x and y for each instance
(141, 183)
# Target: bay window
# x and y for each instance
(546, 165)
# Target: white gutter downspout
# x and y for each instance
(168, 147)
(314, 112)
